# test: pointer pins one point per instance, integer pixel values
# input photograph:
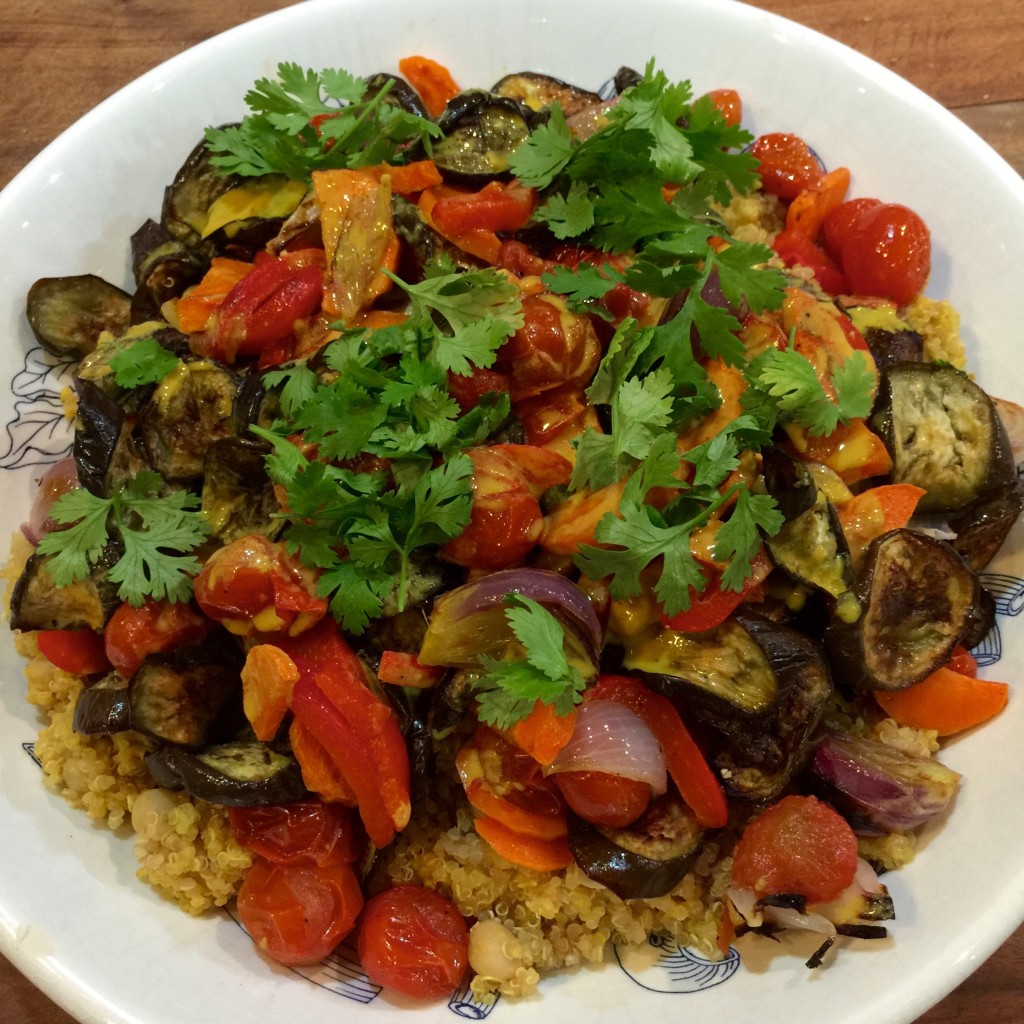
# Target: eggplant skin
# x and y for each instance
(944, 435)
(981, 530)
(36, 603)
(918, 599)
(645, 860)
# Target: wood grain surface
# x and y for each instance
(62, 57)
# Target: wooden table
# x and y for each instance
(61, 58)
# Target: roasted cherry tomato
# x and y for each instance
(838, 224)
(788, 164)
(152, 628)
(78, 651)
(506, 520)
(793, 248)
(552, 348)
(729, 103)
(253, 586)
(798, 845)
(307, 832)
(298, 913)
(414, 941)
(604, 799)
(468, 389)
(886, 250)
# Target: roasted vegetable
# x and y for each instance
(102, 708)
(889, 338)
(191, 408)
(182, 696)
(480, 132)
(239, 774)
(645, 860)
(760, 685)
(811, 546)
(238, 497)
(943, 434)
(880, 789)
(68, 314)
(918, 599)
(37, 604)
(538, 91)
(981, 530)
(400, 93)
(163, 267)
(187, 200)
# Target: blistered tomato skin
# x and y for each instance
(414, 941)
(788, 164)
(887, 252)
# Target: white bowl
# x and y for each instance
(73, 917)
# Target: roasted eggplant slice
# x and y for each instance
(944, 435)
(400, 93)
(187, 200)
(102, 709)
(810, 546)
(760, 685)
(240, 774)
(917, 598)
(190, 409)
(981, 530)
(68, 314)
(238, 496)
(645, 860)
(480, 132)
(181, 697)
(163, 267)
(538, 92)
(36, 603)
(890, 339)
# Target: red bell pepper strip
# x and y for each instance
(322, 654)
(696, 782)
(495, 207)
(399, 668)
(793, 248)
(712, 606)
(78, 651)
(338, 736)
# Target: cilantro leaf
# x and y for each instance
(157, 532)
(568, 215)
(739, 537)
(306, 120)
(544, 155)
(145, 361)
(507, 691)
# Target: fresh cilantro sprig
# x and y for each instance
(306, 120)
(508, 691)
(157, 531)
(363, 530)
(643, 541)
(145, 361)
(786, 380)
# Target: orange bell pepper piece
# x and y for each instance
(525, 850)
(431, 80)
(197, 304)
(267, 680)
(807, 212)
(946, 701)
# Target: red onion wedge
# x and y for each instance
(470, 621)
(880, 789)
(58, 479)
(609, 737)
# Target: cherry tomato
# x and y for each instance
(307, 832)
(788, 164)
(838, 224)
(887, 251)
(254, 586)
(78, 651)
(798, 845)
(552, 348)
(298, 913)
(604, 799)
(413, 940)
(152, 628)
(468, 389)
(729, 103)
(506, 519)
